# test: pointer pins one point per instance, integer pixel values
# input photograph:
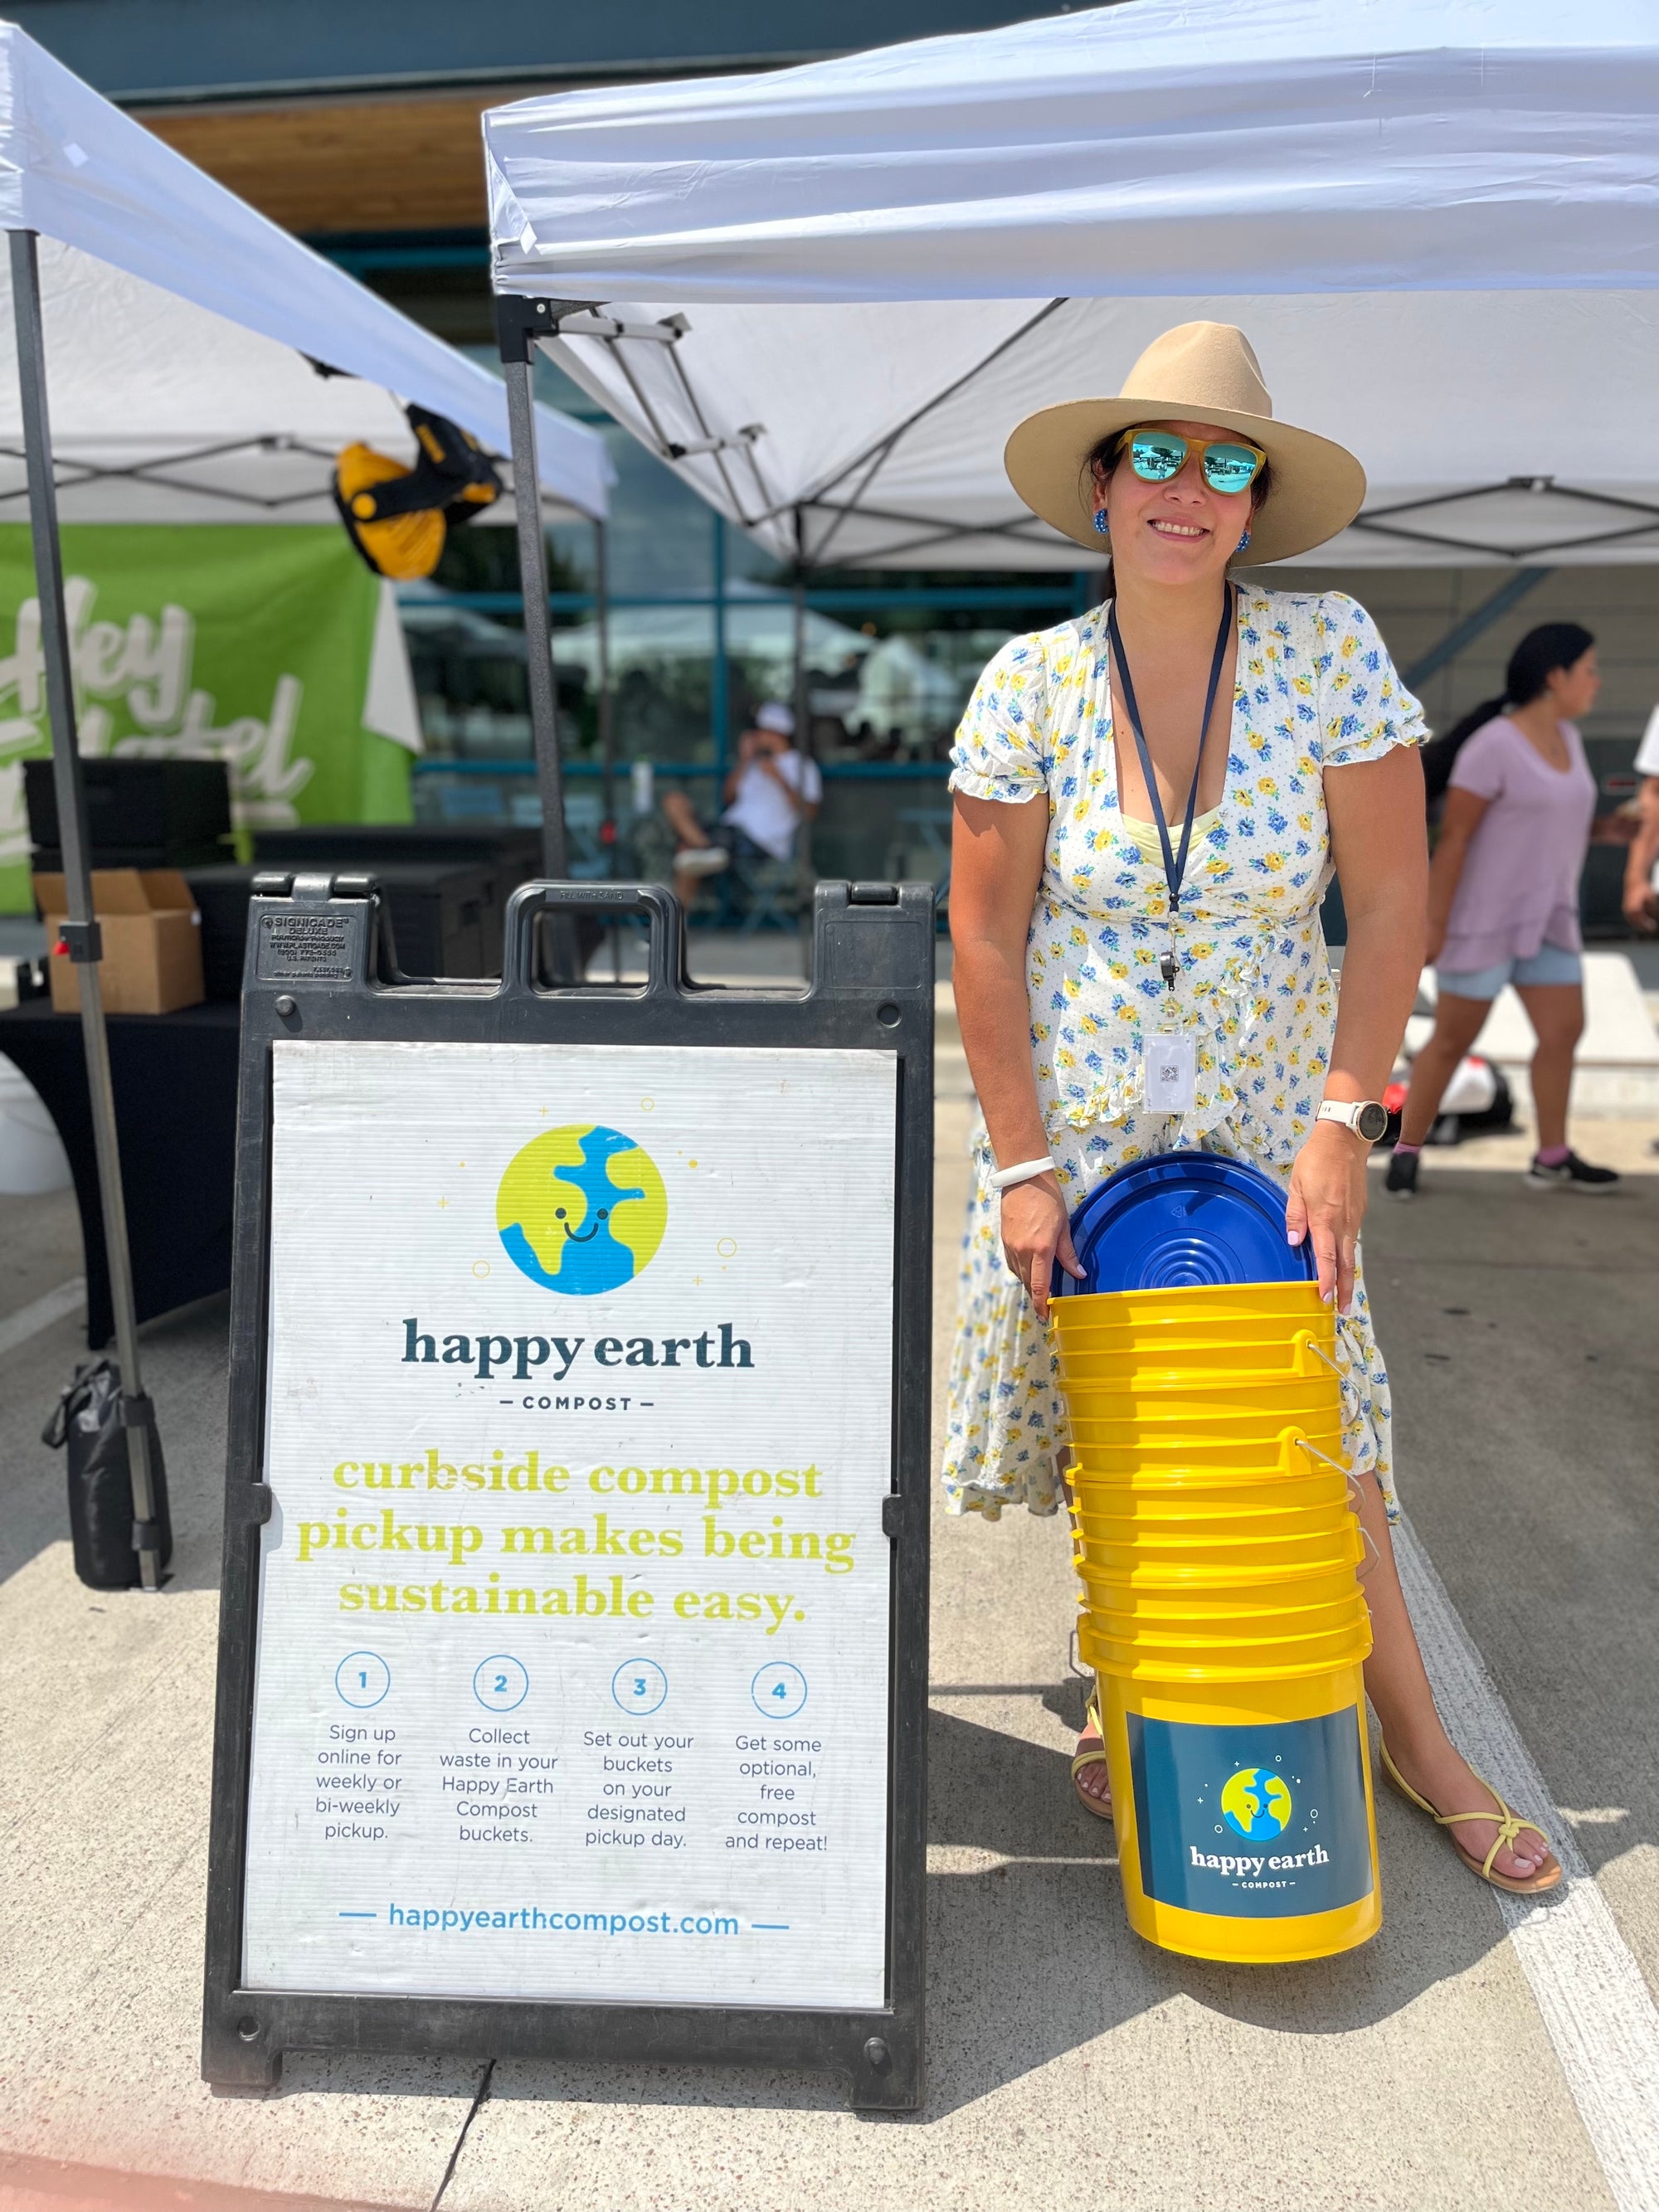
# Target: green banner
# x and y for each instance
(269, 646)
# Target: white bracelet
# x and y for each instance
(1005, 1178)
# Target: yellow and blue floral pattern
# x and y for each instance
(1315, 689)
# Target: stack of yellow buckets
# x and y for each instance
(1223, 1614)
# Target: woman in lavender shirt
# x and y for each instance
(1504, 894)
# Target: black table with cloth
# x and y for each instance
(175, 1109)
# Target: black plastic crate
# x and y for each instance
(516, 854)
(140, 813)
(445, 918)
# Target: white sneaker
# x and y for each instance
(701, 859)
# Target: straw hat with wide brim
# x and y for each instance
(1199, 372)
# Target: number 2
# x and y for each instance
(501, 1686)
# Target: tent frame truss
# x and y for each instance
(568, 321)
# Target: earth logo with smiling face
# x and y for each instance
(581, 1210)
(1255, 1804)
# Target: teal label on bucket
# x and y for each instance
(1252, 1823)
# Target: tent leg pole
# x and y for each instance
(803, 719)
(538, 652)
(72, 830)
(607, 726)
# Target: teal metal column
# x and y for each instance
(720, 688)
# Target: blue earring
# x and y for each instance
(1244, 541)
(1101, 522)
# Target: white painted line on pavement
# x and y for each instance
(28, 1320)
(1596, 2008)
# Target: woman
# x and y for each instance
(1275, 723)
(1504, 894)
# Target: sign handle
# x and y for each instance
(665, 923)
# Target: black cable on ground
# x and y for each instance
(485, 2080)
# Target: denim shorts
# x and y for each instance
(1551, 963)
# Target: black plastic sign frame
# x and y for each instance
(318, 967)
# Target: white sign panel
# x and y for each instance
(573, 1650)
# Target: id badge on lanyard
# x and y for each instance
(1169, 1060)
(1171, 1072)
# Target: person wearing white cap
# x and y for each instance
(1150, 800)
(770, 791)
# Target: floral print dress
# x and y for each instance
(1315, 688)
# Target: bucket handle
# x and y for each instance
(1304, 1339)
(1355, 1494)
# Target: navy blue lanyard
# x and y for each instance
(1175, 861)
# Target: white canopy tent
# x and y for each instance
(172, 332)
(181, 326)
(826, 295)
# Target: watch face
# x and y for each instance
(1371, 1120)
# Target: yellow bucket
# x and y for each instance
(1228, 1639)
(1157, 1496)
(1141, 1661)
(1240, 1613)
(1229, 1536)
(1179, 1659)
(1299, 1302)
(1245, 1824)
(1175, 1340)
(1195, 1405)
(1207, 1364)
(1175, 1443)
(1191, 1403)
(1236, 1461)
(1242, 1595)
(1260, 1558)
(1133, 1571)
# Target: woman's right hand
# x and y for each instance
(1036, 1232)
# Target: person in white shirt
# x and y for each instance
(770, 791)
(1640, 892)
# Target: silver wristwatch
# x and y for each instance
(1367, 1117)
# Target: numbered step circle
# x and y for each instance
(501, 1683)
(639, 1686)
(362, 1678)
(779, 1690)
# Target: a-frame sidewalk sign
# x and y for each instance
(572, 1658)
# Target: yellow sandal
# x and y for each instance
(1510, 1824)
(1100, 1807)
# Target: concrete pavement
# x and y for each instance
(1067, 2061)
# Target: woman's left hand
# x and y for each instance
(1328, 1204)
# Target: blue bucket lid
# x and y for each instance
(1183, 1219)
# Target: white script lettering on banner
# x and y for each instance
(145, 664)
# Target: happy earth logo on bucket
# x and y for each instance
(1256, 1804)
(581, 1210)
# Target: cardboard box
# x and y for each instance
(152, 935)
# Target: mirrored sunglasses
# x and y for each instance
(1228, 464)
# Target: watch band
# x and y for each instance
(1367, 1117)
